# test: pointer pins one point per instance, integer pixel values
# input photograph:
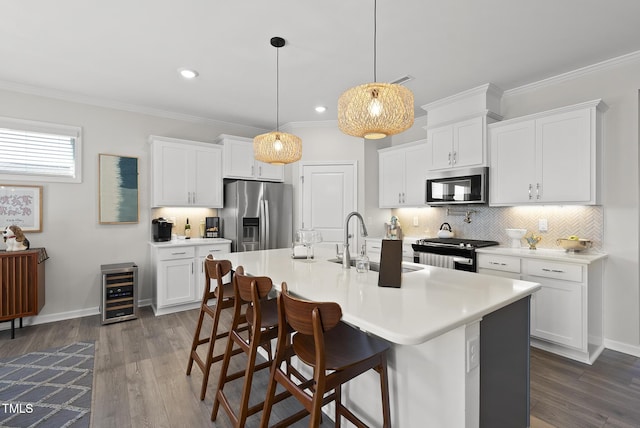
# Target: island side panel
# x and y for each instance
(504, 366)
(428, 384)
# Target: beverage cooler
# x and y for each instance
(119, 300)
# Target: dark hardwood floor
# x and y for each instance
(140, 378)
(567, 394)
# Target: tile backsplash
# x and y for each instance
(490, 222)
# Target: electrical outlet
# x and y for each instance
(416, 222)
(543, 226)
(473, 353)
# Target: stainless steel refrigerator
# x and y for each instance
(257, 215)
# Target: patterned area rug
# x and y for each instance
(48, 389)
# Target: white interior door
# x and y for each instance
(328, 194)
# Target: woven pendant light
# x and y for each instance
(375, 110)
(275, 147)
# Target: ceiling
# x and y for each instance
(126, 53)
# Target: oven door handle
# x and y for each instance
(463, 260)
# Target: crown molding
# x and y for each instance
(487, 88)
(574, 74)
(115, 105)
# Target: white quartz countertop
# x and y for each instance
(431, 301)
(583, 257)
(189, 242)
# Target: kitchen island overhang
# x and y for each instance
(433, 323)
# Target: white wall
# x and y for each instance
(618, 86)
(77, 245)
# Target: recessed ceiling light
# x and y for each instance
(187, 73)
(321, 109)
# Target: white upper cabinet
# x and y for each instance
(240, 163)
(547, 158)
(456, 129)
(402, 175)
(185, 173)
(460, 144)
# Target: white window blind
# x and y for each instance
(39, 151)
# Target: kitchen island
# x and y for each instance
(446, 328)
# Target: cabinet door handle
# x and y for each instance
(403, 200)
(537, 190)
(454, 158)
(177, 254)
(192, 267)
(399, 197)
(449, 159)
(214, 251)
(251, 169)
(260, 170)
(530, 187)
(553, 270)
(497, 263)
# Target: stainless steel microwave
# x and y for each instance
(459, 186)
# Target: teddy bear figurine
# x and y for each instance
(14, 239)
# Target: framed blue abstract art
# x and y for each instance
(118, 193)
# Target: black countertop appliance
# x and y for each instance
(212, 227)
(161, 229)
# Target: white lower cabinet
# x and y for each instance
(374, 249)
(202, 251)
(178, 276)
(566, 313)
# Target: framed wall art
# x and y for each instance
(118, 191)
(21, 206)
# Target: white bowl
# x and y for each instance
(516, 235)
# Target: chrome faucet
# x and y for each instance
(346, 257)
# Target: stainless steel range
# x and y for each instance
(452, 253)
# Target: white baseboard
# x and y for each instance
(144, 302)
(622, 347)
(61, 316)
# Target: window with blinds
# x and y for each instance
(39, 151)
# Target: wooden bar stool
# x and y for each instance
(262, 318)
(223, 295)
(335, 351)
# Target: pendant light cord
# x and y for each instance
(375, 39)
(277, 89)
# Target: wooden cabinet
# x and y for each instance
(21, 284)
(177, 274)
(240, 163)
(185, 173)
(548, 158)
(566, 313)
(402, 175)
(458, 144)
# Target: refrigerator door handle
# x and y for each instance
(262, 225)
(267, 235)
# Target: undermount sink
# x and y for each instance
(374, 266)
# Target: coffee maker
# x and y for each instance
(212, 227)
(161, 229)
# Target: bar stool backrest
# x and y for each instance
(299, 314)
(263, 285)
(215, 269)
